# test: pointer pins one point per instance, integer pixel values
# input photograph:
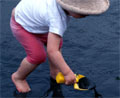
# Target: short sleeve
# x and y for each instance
(57, 18)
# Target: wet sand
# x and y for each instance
(91, 48)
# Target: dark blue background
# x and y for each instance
(91, 48)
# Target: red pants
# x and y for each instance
(32, 43)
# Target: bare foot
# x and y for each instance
(21, 85)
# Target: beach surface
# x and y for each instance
(90, 47)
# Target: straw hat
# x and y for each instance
(87, 7)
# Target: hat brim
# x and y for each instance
(86, 7)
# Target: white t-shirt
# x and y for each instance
(41, 16)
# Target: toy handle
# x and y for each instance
(60, 78)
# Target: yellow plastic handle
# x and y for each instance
(60, 78)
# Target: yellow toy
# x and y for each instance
(82, 83)
(60, 79)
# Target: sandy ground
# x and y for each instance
(91, 48)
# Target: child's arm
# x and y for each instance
(57, 59)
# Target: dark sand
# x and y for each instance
(91, 48)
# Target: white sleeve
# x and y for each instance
(57, 19)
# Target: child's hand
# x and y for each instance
(70, 78)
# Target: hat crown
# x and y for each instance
(85, 6)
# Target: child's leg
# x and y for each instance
(35, 56)
(20, 75)
(54, 87)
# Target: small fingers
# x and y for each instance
(70, 82)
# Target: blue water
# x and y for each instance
(91, 48)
